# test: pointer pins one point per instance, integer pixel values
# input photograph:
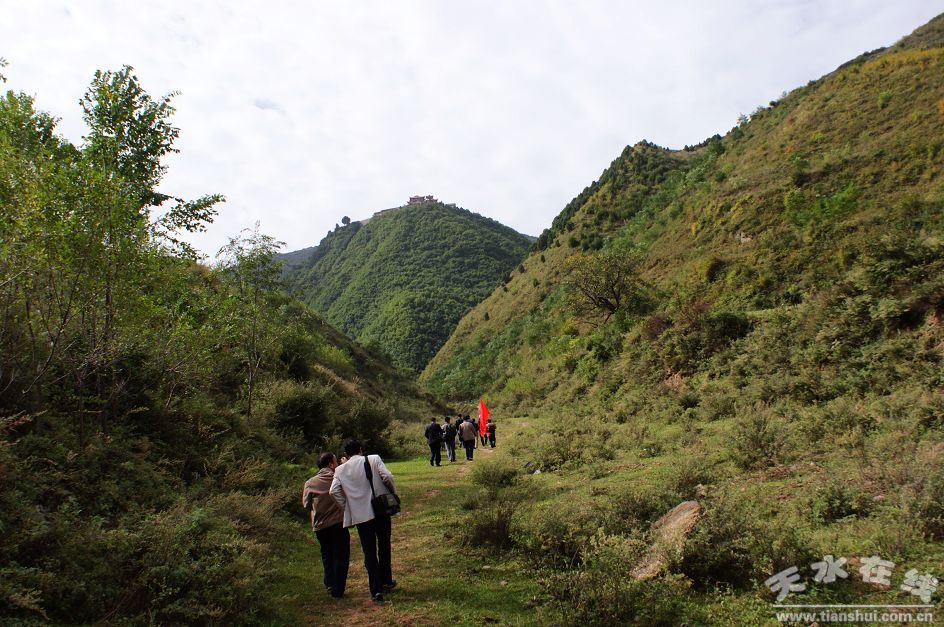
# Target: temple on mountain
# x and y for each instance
(419, 200)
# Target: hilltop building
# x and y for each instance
(419, 200)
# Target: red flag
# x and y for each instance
(483, 417)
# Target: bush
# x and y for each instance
(731, 545)
(635, 508)
(721, 547)
(930, 505)
(602, 593)
(837, 500)
(492, 528)
(758, 437)
(497, 473)
(555, 534)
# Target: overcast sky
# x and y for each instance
(303, 112)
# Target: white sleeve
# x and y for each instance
(337, 492)
(386, 477)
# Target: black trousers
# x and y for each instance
(435, 453)
(335, 544)
(375, 541)
(491, 439)
(469, 448)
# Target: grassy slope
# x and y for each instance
(402, 280)
(440, 579)
(820, 223)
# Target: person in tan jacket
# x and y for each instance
(327, 521)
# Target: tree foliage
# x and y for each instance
(605, 283)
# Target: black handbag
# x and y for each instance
(385, 504)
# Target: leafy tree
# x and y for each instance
(345, 220)
(248, 262)
(605, 283)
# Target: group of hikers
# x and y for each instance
(470, 433)
(359, 491)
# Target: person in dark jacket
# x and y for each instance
(449, 437)
(326, 520)
(434, 436)
(490, 429)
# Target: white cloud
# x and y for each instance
(302, 112)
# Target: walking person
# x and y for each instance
(475, 425)
(490, 428)
(449, 437)
(434, 437)
(355, 484)
(468, 435)
(326, 520)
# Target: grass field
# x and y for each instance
(440, 579)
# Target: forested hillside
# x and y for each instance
(157, 413)
(401, 281)
(754, 322)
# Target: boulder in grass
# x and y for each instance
(668, 535)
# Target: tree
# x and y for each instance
(129, 135)
(606, 283)
(345, 220)
(248, 262)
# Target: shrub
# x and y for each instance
(930, 505)
(731, 545)
(300, 407)
(492, 528)
(493, 474)
(602, 593)
(555, 534)
(758, 437)
(835, 501)
(717, 401)
(721, 547)
(635, 508)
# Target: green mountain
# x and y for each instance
(401, 280)
(754, 322)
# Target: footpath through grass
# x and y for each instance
(440, 579)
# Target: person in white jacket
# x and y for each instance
(352, 491)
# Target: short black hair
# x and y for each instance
(467, 417)
(352, 446)
(446, 418)
(325, 459)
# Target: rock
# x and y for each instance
(669, 533)
(701, 491)
(503, 583)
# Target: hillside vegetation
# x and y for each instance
(754, 322)
(157, 415)
(400, 281)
